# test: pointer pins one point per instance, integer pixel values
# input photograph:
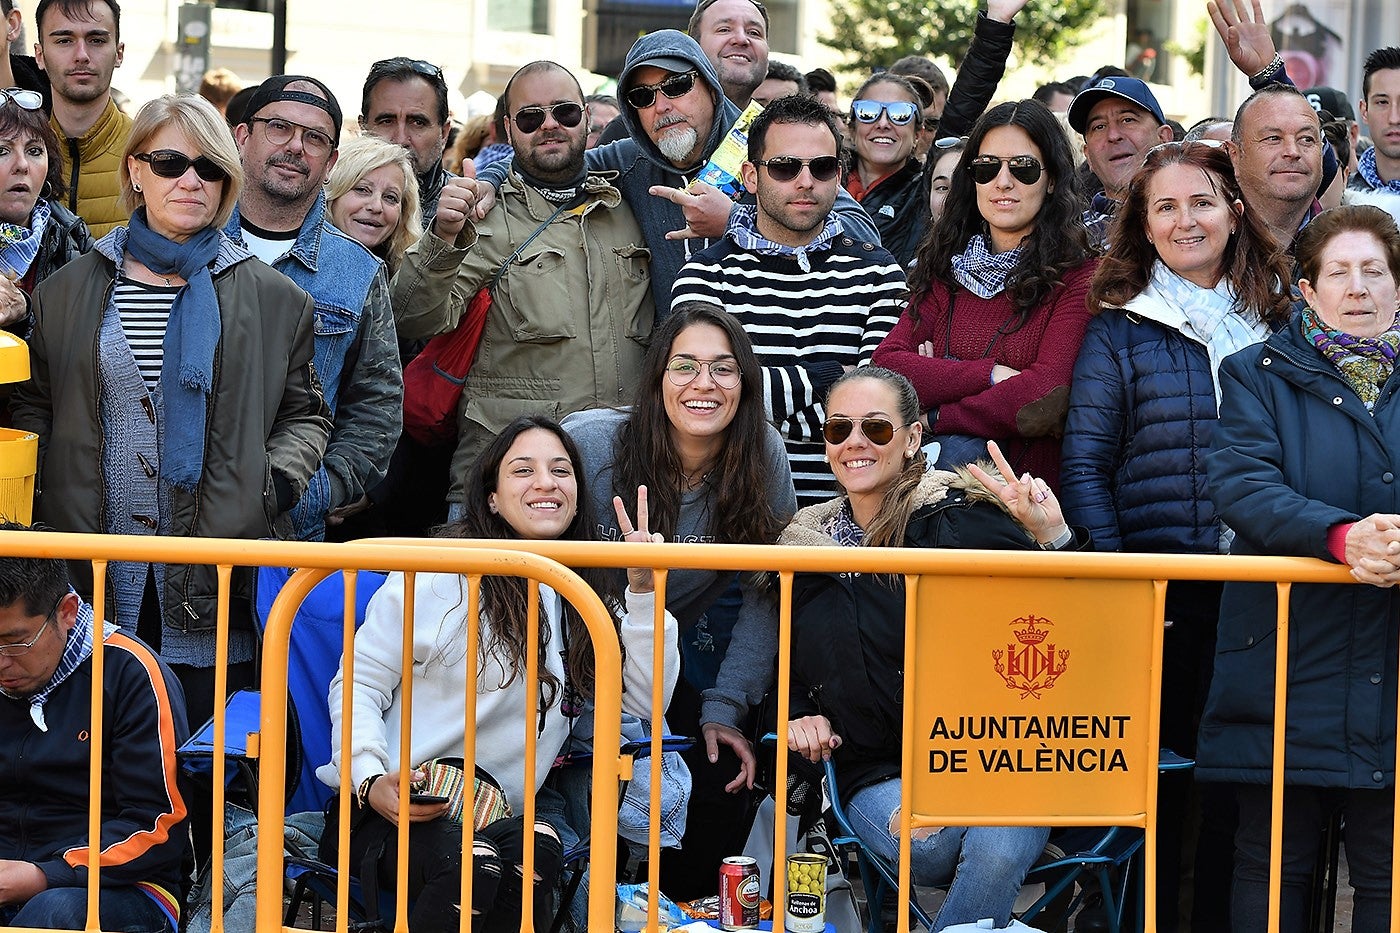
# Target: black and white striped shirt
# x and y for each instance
(145, 311)
(805, 327)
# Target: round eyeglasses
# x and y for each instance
(682, 371)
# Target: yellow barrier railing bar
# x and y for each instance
(906, 766)
(347, 725)
(469, 749)
(95, 733)
(217, 817)
(406, 762)
(1284, 591)
(1154, 741)
(443, 555)
(780, 758)
(658, 703)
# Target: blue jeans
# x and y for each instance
(982, 866)
(127, 909)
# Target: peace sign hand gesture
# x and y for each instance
(1028, 499)
(639, 579)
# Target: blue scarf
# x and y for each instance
(743, 230)
(1366, 168)
(187, 372)
(20, 244)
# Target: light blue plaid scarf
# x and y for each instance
(743, 230)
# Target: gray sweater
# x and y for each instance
(746, 672)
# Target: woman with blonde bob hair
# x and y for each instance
(372, 197)
(171, 382)
(199, 123)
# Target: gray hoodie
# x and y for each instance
(639, 165)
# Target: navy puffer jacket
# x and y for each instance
(1141, 415)
(1295, 453)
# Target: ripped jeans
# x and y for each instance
(982, 866)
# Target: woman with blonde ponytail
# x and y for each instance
(847, 665)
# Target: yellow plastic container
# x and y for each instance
(19, 450)
(14, 358)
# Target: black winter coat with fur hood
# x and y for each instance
(848, 628)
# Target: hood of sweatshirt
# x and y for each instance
(675, 45)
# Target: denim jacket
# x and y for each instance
(356, 358)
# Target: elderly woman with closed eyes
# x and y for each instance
(173, 392)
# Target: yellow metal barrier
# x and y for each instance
(961, 605)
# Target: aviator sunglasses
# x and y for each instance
(878, 431)
(786, 168)
(899, 112)
(644, 95)
(167, 163)
(529, 119)
(1025, 169)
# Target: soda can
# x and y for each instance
(806, 893)
(738, 893)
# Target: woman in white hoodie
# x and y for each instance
(1190, 277)
(526, 485)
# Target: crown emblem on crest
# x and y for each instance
(1031, 665)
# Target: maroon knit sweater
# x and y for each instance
(1025, 414)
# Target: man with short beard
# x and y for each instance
(567, 265)
(287, 144)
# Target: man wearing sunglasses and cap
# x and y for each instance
(676, 112)
(1120, 120)
(287, 144)
(565, 261)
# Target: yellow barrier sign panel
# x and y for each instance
(1033, 696)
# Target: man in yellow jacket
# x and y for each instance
(79, 47)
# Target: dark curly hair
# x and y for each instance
(1058, 242)
(1253, 262)
(504, 599)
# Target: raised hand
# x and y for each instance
(1003, 10)
(1246, 34)
(1028, 499)
(639, 579)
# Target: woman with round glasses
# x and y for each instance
(1190, 276)
(697, 437)
(372, 196)
(173, 392)
(38, 234)
(848, 629)
(998, 297)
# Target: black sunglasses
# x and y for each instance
(644, 95)
(22, 98)
(878, 431)
(529, 119)
(786, 168)
(1025, 169)
(167, 163)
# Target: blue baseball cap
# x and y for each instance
(1133, 90)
